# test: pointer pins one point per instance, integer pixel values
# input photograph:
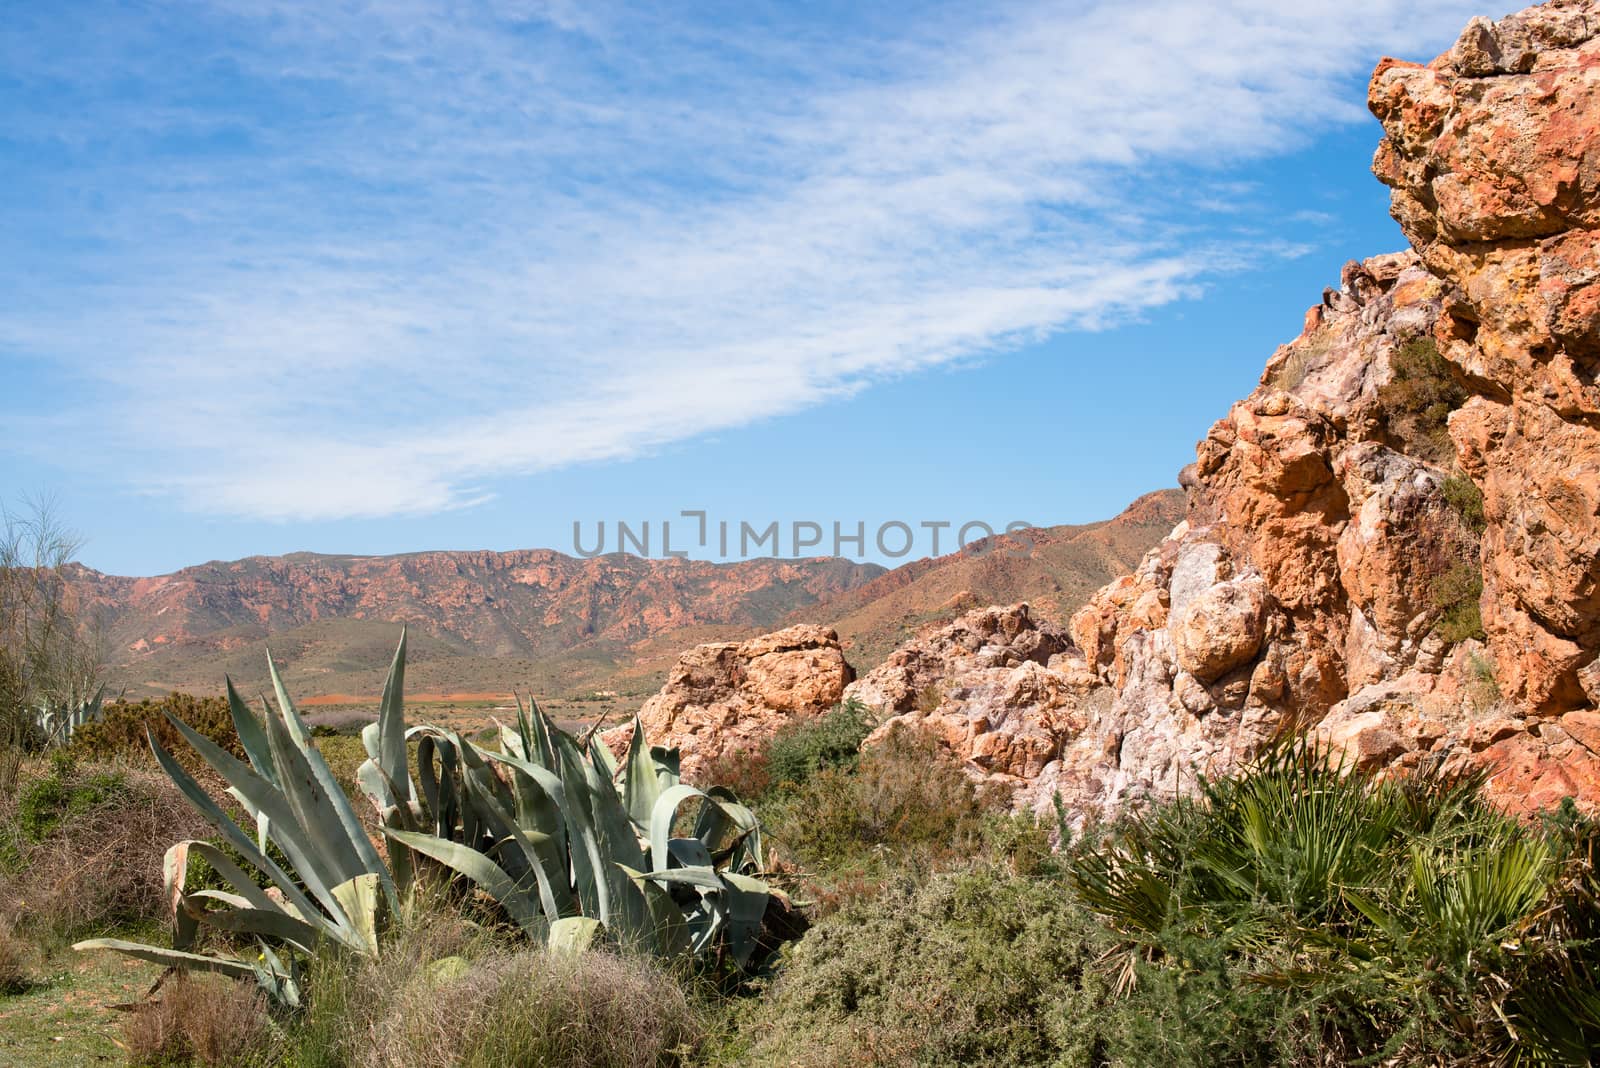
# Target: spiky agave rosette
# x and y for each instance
(576, 847)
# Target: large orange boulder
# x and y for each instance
(724, 696)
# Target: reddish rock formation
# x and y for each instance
(1493, 155)
(531, 603)
(724, 696)
(1325, 576)
(981, 685)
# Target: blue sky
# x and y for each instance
(378, 277)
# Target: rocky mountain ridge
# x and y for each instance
(526, 603)
(490, 621)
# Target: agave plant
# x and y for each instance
(56, 723)
(573, 844)
(336, 888)
(541, 825)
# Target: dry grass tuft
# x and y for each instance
(535, 1007)
(199, 1019)
(444, 993)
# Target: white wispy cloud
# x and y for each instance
(357, 259)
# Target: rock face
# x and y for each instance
(982, 686)
(1337, 557)
(724, 696)
(1493, 156)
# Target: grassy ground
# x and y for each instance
(68, 1017)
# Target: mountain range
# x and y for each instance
(483, 622)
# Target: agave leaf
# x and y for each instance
(727, 827)
(747, 904)
(539, 730)
(252, 736)
(230, 899)
(174, 874)
(669, 934)
(305, 846)
(689, 853)
(575, 934)
(641, 787)
(363, 902)
(705, 924)
(600, 755)
(667, 766)
(662, 816)
(172, 958)
(291, 717)
(619, 844)
(326, 788)
(312, 810)
(532, 847)
(705, 878)
(541, 803)
(237, 838)
(522, 908)
(279, 982)
(263, 923)
(611, 818)
(589, 866)
(391, 733)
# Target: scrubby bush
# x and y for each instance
(1465, 500)
(793, 754)
(800, 750)
(120, 733)
(200, 1020)
(1483, 689)
(975, 967)
(16, 957)
(67, 792)
(905, 805)
(1418, 399)
(745, 771)
(81, 848)
(1456, 595)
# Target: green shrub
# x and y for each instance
(63, 794)
(1418, 399)
(1483, 689)
(1404, 921)
(833, 740)
(83, 845)
(905, 805)
(120, 732)
(1465, 500)
(975, 967)
(1456, 595)
(794, 754)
